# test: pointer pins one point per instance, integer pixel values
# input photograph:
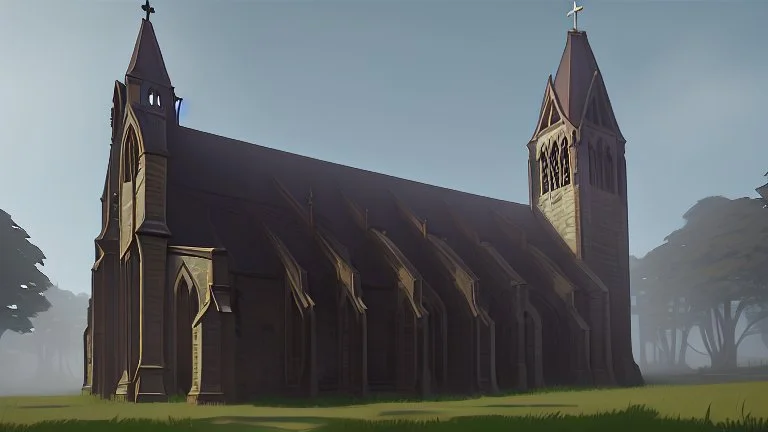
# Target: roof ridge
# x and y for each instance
(330, 164)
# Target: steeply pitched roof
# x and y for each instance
(147, 60)
(574, 75)
(223, 193)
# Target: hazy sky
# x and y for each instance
(445, 92)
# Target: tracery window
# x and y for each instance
(554, 167)
(130, 157)
(544, 172)
(565, 163)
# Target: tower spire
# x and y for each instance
(147, 60)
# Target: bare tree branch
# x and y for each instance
(744, 334)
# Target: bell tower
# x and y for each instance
(578, 183)
(148, 120)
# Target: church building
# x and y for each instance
(227, 271)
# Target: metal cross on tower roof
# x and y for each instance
(150, 10)
(575, 13)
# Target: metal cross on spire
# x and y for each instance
(575, 13)
(149, 9)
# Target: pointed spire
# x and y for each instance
(574, 75)
(147, 60)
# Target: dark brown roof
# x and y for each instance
(147, 60)
(574, 75)
(222, 192)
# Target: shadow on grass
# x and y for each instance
(42, 406)
(276, 423)
(634, 418)
(408, 412)
(511, 405)
(329, 401)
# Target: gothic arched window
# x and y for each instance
(544, 172)
(565, 162)
(599, 174)
(592, 173)
(554, 167)
(130, 157)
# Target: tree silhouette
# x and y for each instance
(761, 325)
(22, 284)
(58, 335)
(666, 316)
(712, 270)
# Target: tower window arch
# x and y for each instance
(153, 97)
(554, 167)
(544, 171)
(130, 157)
(599, 173)
(592, 166)
(565, 162)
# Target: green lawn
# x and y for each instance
(689, 401)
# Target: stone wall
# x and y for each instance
(559, 207)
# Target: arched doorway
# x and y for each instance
(186, 310)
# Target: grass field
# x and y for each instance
(540, 411)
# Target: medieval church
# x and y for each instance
(227, 271)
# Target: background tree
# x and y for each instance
(665, 314)
(754, 314)
(58, 336)
(22, 284)
(714, 266)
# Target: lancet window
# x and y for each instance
(554, 166)
(565, 162)
(130, 158)
(544, 171)
(599, 162)
(153, 97)
(602, 168)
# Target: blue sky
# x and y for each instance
(445, 92)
